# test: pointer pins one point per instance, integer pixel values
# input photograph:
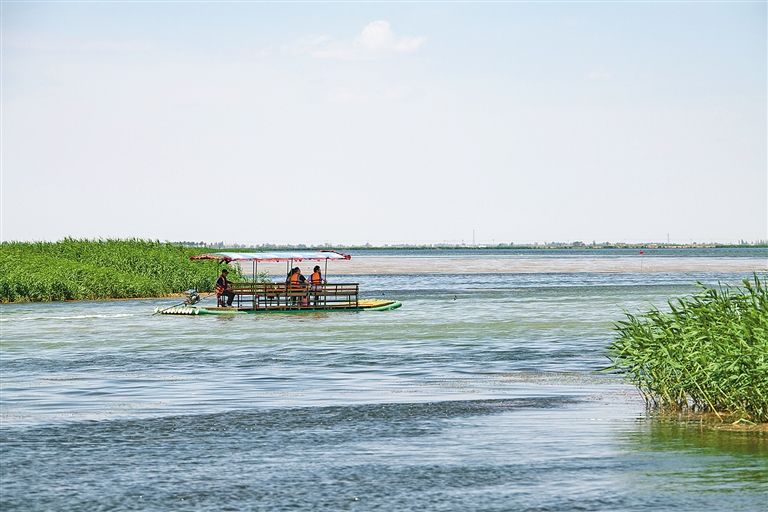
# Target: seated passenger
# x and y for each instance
(223, 291)
(296, 281)
(295, 276)
(316, 281)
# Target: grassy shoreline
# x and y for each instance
(73, 269)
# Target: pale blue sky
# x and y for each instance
(385, 122)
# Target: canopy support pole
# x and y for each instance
(325, 275)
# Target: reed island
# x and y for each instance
(708, 353)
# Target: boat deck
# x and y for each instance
(359, 305)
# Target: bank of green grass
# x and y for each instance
(708, 353)
(74, 269)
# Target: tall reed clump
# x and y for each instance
(74, 269)
(708, 353)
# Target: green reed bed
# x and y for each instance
(101, 269)
(708, 353)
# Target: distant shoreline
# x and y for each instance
(470, 247)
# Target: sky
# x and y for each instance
(385, 123)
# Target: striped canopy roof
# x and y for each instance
(273, 256)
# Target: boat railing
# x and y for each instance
(250, 295)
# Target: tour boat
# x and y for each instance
(285, 297)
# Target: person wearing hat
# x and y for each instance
(223, 290)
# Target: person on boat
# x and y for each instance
(316, 282)
(295, 277)
(296, 282)
(224, 290)
(316, 278)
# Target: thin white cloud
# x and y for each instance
(255, 53)
(600, 74)
(377, 40)
(378, 37)
(306, 44)
(363, 95)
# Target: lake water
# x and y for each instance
(483, 392)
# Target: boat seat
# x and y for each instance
(280, 295)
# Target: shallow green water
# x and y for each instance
(480, 393)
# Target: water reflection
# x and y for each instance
(695, 464)
(698, 435)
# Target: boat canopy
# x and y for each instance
(273, 256)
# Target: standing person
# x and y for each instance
(316, 280)
(224, 290)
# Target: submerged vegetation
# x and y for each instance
(708, 353)
(101, 269)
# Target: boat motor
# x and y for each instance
(191, 297)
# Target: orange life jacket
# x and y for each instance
(317, 278)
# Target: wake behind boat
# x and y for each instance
(292, 296)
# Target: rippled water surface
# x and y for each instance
(481, 393)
